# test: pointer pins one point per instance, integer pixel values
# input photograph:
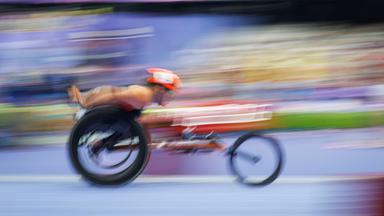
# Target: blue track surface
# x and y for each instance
(78, 198)
(307, 154)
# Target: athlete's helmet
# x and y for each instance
(164, 77)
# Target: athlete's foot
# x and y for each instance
(75, 95)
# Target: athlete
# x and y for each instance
(160, 88)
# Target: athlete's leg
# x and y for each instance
(99, 96)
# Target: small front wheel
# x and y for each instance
(256, 159)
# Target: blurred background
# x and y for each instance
(320, 63)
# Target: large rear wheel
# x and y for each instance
(108, 147)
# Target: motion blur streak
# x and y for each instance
(318, 87)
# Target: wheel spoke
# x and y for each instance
(104, 137)
(124, 147)
(247, 156)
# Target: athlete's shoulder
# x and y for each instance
(142, 92)
(137, 87)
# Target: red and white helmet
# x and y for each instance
(164, 77)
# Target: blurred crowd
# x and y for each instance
(41, 53)
(294, 66)
(291, 62)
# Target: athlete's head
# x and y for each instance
(164, 84)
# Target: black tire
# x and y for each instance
(108, 115)
(234, 154)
